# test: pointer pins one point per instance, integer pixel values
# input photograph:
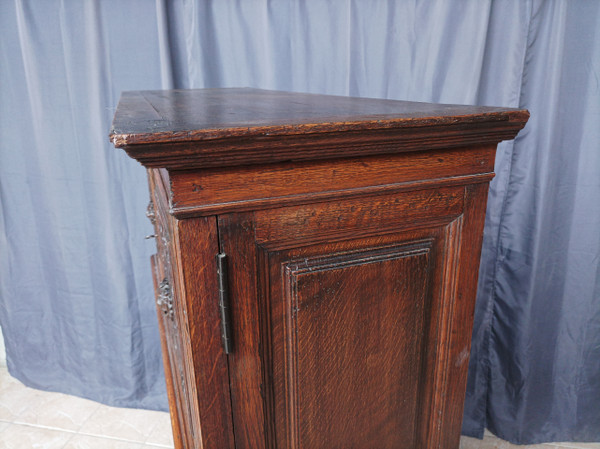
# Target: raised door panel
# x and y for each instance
(347, 359)
(344, 337)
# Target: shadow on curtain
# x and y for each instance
(76, 304)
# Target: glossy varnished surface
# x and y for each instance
(179, 129)
(203, 114)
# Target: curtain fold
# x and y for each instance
(76, 300)
(546, 307)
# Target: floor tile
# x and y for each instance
(90, 442)
(7, 381)
(491, 442)
(578, 445)
(59, 411)
(18, 436)
(126, 424)
(162, 434)
(33, 419)
(16, 399)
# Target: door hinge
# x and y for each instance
(224, 306)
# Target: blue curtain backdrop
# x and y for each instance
(76, 300)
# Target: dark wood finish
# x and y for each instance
(347, 290)
(352, 234)
(172, 319)
(171, 391)
(201, 391)
(197, 249)
(220, 190)
(183, 129)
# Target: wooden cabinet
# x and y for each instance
(317, 262)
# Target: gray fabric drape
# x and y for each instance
(535, 371)
(76, 304)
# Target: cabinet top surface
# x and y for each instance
(162, 116)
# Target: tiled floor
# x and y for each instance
(491, 442)
(35, 419)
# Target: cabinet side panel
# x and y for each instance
(174, 412)
(196, 246)
(170, 323)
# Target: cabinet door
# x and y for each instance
(352, 319)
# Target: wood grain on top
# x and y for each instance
(190, 129)
(204, 114)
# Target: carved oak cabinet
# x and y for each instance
(317, 262)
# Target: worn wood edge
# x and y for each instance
(182, 317)
(260, 150)
(518, 116)
(163, 186)
(467, 274)
(453, 237)
(298, 199)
